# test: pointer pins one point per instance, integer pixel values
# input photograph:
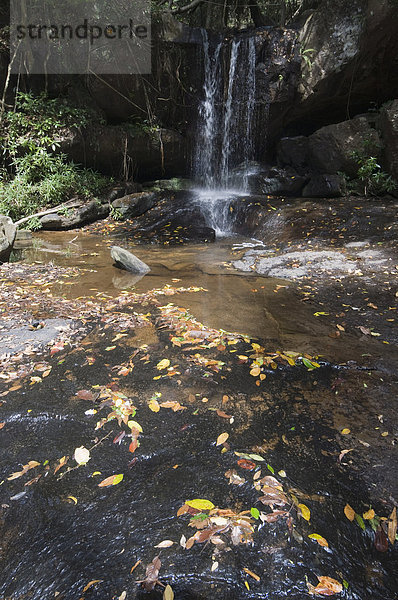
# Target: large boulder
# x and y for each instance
(7, 236)
(331, 148)
(349, 54)
(80, 213)
(293, 152)
(134, 205)
(389, 131)
(324, 186)
(278, 182)
(128, 261)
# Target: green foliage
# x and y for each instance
(370, 180)
(116, 214)
(38, 177)
(306, 55)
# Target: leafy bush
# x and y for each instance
(37, 177)
(371, 180)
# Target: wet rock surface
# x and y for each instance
(7, 236)
(128, 261)
(300, 422)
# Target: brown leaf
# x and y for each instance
(326, 587)
(61, 463)
(151, 572)
(222, 414)
(85, 395)
(2, 425)
(381, 541)
(392, 526)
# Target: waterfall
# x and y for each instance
(225, 126)
(229, 129)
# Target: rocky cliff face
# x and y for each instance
(351, 62)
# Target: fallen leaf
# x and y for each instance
(165, 544)
(256, 577)
(73, 498)
(222, 438)
(123, 595)
(305, 511)
(369, 514)
(151, 572)
(30, 465)
(255, 371)
(345, 431)
(246, 464)
(62, 461)
(392, 526)
(349, 512)
(81, 455)
(214, 566)
(343, 453)
(2, 425)
(222, 414)
(168, 593)
(93, 582)
(112, 480)
(163, 364)
(381, 541)
(154, 405)
(321, 540)
(135, 566)
(200, 504)
(326, 587)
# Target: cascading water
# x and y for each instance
(225, 128)
(228, 138)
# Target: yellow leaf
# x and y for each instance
(154, 405)
(255, 371)
(163, 364)
(305, 511)
(349, 512)
(222, 438)
(74, 500)
(168, 593)
(109, 348)
(321, 540)
(345, 431)
(369, 514)
(134, 425)
(200, 504)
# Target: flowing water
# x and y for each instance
(225, 128)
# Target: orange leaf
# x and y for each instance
(93, 582)
(112, 480)
(349, 512)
